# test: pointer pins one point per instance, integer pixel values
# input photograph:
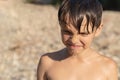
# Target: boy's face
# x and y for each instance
(75, 40)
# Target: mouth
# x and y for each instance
(74, 46)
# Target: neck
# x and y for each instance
(85, 54)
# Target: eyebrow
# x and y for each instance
(66, 29)
(84, 33)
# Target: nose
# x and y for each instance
(74, 39)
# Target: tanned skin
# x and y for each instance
(77, 61)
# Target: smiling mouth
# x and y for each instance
(73, 46)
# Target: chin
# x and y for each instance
(75, 51)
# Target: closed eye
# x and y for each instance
(84, 34)
(66, 32)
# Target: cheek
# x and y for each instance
(88, 41)
(65, 38)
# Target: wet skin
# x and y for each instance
(77, 61)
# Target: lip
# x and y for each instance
(73, 46)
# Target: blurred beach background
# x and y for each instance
(29, 28)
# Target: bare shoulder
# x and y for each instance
(109, 67)
(45, 60)
(105, 61)
(45, 63)
(109, 62)
(49, 58)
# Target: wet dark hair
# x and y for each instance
(76, 10)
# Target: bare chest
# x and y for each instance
(75, 72)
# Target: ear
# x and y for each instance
(99, 29)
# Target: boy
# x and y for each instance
(80, 22)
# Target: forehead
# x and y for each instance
(83, 27)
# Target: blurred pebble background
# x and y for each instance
(29, 30)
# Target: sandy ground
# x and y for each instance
(27, 31)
